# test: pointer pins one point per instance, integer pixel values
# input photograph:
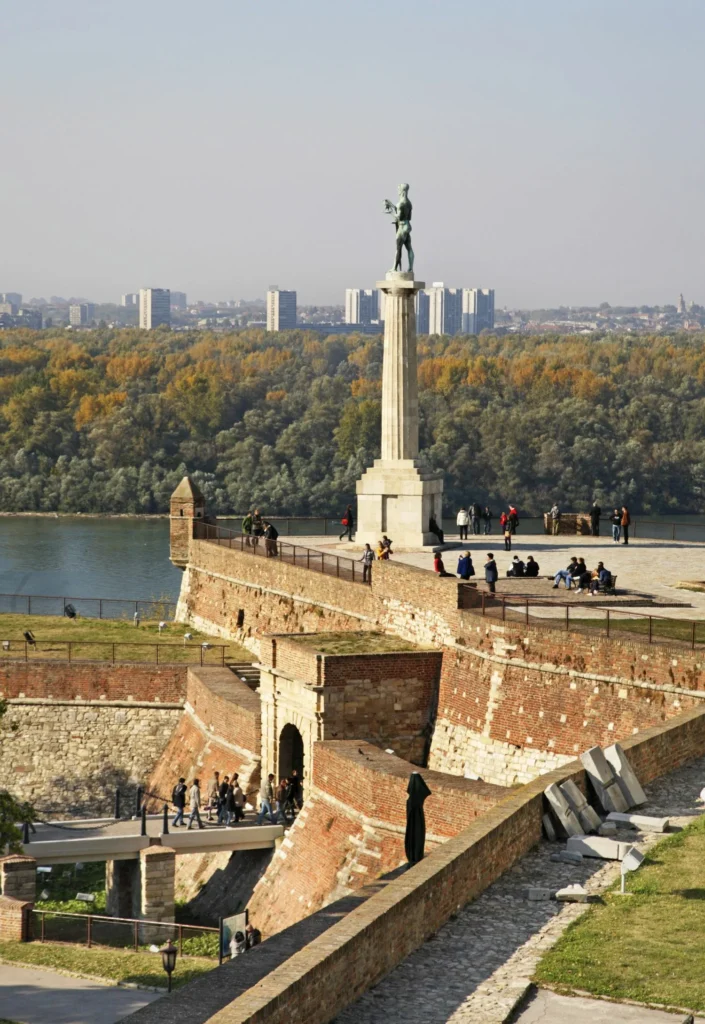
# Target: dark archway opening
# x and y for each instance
(291, 752)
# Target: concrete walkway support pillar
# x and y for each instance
(157, 872)
(122, 888)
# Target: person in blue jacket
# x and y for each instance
(465, 566)
(491, 572)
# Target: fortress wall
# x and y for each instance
(69, 757)
(351, 829)
(93, 680)
(522, 702)
(335, 969)
(219, 730)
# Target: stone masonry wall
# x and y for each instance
(69, 757)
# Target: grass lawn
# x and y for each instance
(113, 964)
(355, 643)
(649, 946)
(93, 639)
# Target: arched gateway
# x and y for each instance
(291, 751)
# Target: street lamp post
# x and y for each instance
(169, 960)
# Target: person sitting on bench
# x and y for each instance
(532, 566)
(517, 567)
(601, 577)
(567, 574)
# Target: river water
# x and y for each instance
(73, 556)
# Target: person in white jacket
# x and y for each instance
(463, 521)
(195, 795)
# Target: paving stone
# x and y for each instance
(626, 776)
(567, 857)
(607, 828)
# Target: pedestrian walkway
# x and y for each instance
(550, 1008)
(31, 996)
(478, 966)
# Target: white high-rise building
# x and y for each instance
(155, 308)
(478, 310)
(81, 314)
(445, 307)
(361, 305)
(281, 309)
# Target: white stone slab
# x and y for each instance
(597, 846)
(548, 828)
(572, 894)
(640, 821)
(587, 816)
(604, 782)
(626, 776)
(563, 811)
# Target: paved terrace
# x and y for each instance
(644, 567)
(98, 839)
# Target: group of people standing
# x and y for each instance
(620, 521)
(280, 804)
(472, 518)
(255, 528)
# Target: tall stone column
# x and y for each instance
(396, 497)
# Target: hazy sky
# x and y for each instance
(554, 148)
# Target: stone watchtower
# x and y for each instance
(187, 504)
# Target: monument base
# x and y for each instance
(398, 498)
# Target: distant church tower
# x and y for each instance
(187, 504)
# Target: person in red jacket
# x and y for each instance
(625, 524)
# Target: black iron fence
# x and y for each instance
(578, 617)
(293, 554)
(121, 932)
(122, 651)
(86, 607)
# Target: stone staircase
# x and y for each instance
(247, 672)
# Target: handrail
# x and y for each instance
(166, 608)
(328, 564)
(124, 920)
(70, 647)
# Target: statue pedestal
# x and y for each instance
(396, 496)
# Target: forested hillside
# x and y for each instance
(110, 420)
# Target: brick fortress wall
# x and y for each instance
(351, 829)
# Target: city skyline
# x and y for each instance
(555, 185)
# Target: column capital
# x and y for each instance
(400, 281)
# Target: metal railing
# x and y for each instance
(87, 607)
(120, 651)
(120, 932)
(578, 617)
(293, 554)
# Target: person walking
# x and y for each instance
(178, 798)
(195, 796)
(348, 521)
(238, 800)
(247, 529)
(475, 514)
(491, 572)
(513, 518)
(595, 513)
(297, 794)
(222, 797)
(230, 818)
(212, 795)
(367, 558)
(463, 520)
(266, 799)
(555, 515)
(487, 516)
(625, 523)
(616, 521)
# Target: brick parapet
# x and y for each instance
(93, 681)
